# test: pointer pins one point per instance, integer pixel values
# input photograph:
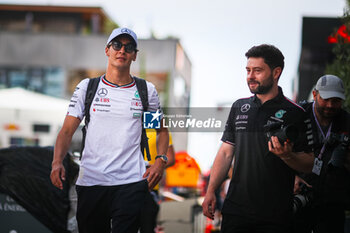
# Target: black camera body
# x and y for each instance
(303, 198)
(288, 133)
(342, 143)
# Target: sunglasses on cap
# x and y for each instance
(129, 48)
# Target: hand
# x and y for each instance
(154, 173)
(208, 205)
(58, 174)
(297, 183)
(284, 152)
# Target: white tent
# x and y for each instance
(21, 110)
(19, 98)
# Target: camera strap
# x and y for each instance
(325, 137)
(318, 161)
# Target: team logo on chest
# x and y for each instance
(279, 114)
(136, 103)
(102, 92)
(137, 94)
(245, 107)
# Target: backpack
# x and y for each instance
(141, 86)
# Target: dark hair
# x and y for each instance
(273, 57)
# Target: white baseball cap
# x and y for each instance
(122, 31)
(330, 86)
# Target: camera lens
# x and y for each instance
(289, 133)
(292, 133)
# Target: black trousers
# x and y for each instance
(149, 214)
(106, 209)
(239, 224)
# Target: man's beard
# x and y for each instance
(326, 112)
(262, 89)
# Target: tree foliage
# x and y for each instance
(109, 26)
(341, 64)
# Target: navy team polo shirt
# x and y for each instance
(262, 184)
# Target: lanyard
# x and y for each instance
(325, 137)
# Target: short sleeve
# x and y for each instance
(229, 133)
(76, 105)
(153, 98)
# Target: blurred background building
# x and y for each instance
(45, 51)
(50, 49)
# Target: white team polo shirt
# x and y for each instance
(112, 154)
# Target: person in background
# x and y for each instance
(260, 195)
(326, 191)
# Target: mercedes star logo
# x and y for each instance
(125, 30)
(102, 92)
(245, 107)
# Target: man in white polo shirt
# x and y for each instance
(112, 181)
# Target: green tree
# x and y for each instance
(341, 64)
(109, 26)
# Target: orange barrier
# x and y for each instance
(184, 173)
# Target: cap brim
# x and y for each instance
(331, 94)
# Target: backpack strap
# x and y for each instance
(141, 86)
(143, 92)
(90, 93)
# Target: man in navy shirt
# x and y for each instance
(260, 195)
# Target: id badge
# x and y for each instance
(317, 166)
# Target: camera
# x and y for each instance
(303, 198)
(339, 153)
(288, 133)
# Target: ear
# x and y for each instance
(134, 56)
(314, 94)
(276, 73)
(107, 51)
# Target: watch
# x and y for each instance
(163, 158)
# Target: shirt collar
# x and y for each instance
(105, 81)
(277, 99)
